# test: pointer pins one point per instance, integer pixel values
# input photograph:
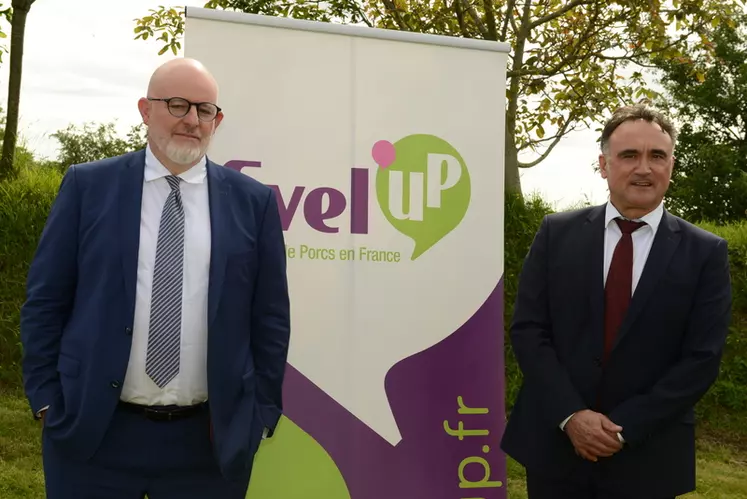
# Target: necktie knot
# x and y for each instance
(173, 181)
(628, 226)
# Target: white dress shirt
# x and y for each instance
(190, 385)
(642, 238)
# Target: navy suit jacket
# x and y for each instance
(665, 357)
(76, 325)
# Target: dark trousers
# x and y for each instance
(163, 459)
(581, 486)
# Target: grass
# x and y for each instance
(721, 473)
(21, 474)
(722, 467)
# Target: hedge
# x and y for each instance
(24, 204)
(25, 201)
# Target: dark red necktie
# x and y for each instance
(618, 289)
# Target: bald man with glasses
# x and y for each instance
(157, 323)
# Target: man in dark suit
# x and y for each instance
(156, 326)
(610, 379)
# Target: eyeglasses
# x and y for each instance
(179, 107)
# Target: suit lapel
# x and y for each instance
(130, 198)
(666, 239)
(595, 259)
(219, 193)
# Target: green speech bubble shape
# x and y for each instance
(423, 188)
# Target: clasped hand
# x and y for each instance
(593, 435)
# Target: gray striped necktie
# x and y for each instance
(162, 359)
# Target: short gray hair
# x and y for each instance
(639, 111)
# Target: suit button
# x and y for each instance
(128, 330)
(115, 384)
(597, 362)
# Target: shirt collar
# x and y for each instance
(154, 169)
(652, 218)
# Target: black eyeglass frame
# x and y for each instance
(197, 105)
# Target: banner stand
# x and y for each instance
(386, 152)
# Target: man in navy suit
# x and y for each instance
(620, 321)
(156, 326)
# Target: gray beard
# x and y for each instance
(183, 155)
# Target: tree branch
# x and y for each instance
(633, 56)
(549, 17)
(647, 54)
(389, 5)
(490, 19)
(475, 17)
(509, 17)
(533, 143)
(730, 131)
(561, 133)
(514, 26)
(460, 19)
(578, 95)
(574, 55)
(359, 9)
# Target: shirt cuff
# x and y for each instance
(264, 433)
(565, 422)
(620, 437)
(41, 411)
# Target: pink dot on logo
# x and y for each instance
(383, 153)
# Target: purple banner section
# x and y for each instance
(448, 401)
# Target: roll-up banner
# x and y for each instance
(386, 152)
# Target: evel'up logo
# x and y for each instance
(423, 187)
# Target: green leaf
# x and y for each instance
(163, 50)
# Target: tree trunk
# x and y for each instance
(18, 28)
(512, 179)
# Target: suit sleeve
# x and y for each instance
(697, 368)
(532, 338)
(270, 317)
(50, 290)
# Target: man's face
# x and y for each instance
(638, 167)
(183, 140)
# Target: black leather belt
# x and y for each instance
(164, 412)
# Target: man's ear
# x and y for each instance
(143, 105)
(603, 165)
